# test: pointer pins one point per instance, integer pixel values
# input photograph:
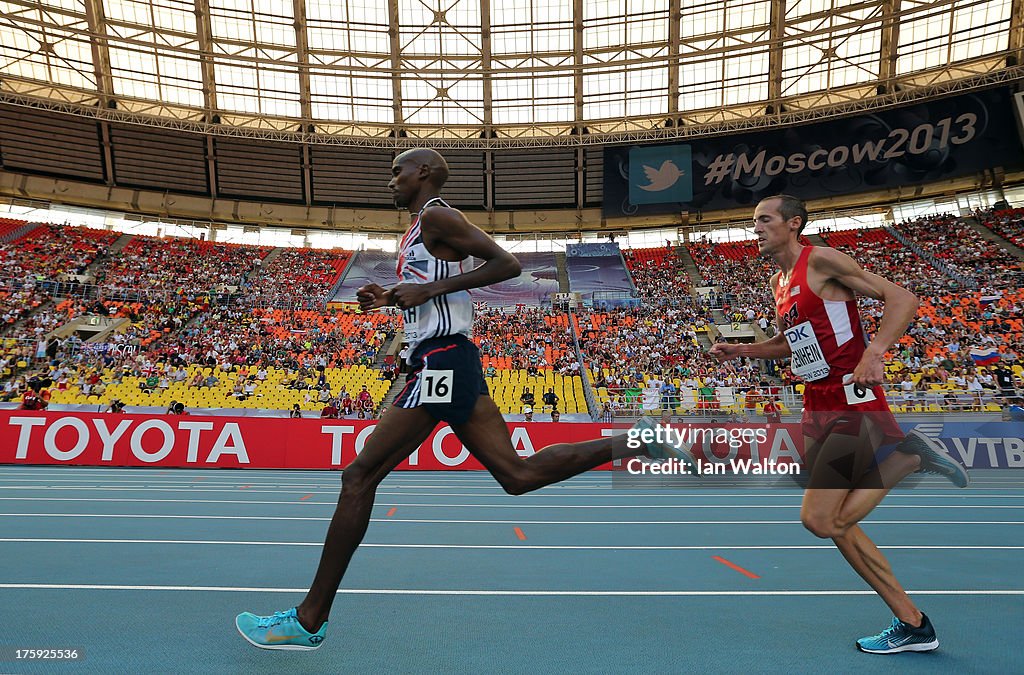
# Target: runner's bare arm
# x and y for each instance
(900, 304)
(446, 230)
(773, 348)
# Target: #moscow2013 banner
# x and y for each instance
(914, 144)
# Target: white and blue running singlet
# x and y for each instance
(449, 314)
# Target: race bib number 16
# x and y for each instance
(437, 386)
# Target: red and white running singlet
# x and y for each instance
(825, 336)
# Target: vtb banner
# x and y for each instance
(920, 143)
(272, 443)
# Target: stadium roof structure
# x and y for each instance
(495, 73)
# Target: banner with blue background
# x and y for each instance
(915, 144)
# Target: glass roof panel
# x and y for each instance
(538, 64)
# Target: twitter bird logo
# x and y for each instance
(662, 178)
(660, 174)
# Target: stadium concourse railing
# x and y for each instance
(728, 403)
(213, 296)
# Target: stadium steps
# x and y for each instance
(816, 240)
(341, 278)
(629, 275)
(19, 233)
(17, 324)
(563, 274)
(119, 243)
(941, 267)
(101, 261)
(393, 348)
(696, 279)
(271, 257)
(193, 320)
(991, 236)
(396, 388)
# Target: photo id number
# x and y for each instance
(437, 386)
(858, 393)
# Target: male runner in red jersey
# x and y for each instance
(846, 417)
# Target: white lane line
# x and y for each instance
(496, 522)
(675, 492)
(955, 495)
(495, 547)
(272, 481)
(548, 492)
(424, 474)
(393, 480)
(594, 480)
(496, 506)
(748, 490)
(417, 591)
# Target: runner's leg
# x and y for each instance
(825, 511)
(862, 501)
(486, 436)
(397, 435)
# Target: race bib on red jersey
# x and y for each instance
(808, 361)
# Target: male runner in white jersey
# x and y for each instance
(846, 418)
(445, 383)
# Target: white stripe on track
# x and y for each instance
(517, 521)
(456, 592)
(581, 482)
(594, 479)
(775, 493)
(492, 506)
(497, 547)
(492, 493)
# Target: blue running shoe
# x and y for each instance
(934, 458)
(901, 637)
(281, 630)
(657, 450)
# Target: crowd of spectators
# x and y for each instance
(532, 339)
(18, 303)
(1008, 224)
(876, 250)
(188, 267)
(935, 351)
(657, 347)
(146, 322)
(739, 274)
(297, 272)
(231, 351)
(281, 338)
(54, 252)
(962, 250)
(662, 341)
(658, 273)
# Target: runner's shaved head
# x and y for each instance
(431, 159)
